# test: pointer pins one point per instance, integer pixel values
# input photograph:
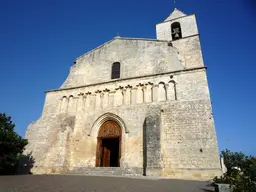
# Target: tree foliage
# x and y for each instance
(11, 145)
(241, 171)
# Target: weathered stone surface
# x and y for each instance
(161, 102)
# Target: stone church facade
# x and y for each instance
(138, 105)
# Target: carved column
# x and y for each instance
(119, 96)
(127, 96)
(80, 112)
(64, 105)
(97, 99)
(105, 98)
(139, 97)
(148, 92)
(161, 92)
(111, 98)
(133, 95)
(171, 91)
(155, 93)
(59, 106)
(88, 99)
(72, 105)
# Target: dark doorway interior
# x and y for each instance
(110, 152)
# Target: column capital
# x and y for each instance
(80, 94)
(128, 86)
(97, 91)
(106, 90)
(120, 87)
(88, 93)
(140, 85)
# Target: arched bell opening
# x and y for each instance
(109, 145)
(176, 31)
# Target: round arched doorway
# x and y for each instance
(109, 145)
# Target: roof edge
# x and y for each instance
(121, 38)
(176, 18)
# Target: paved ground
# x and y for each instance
(76, 183)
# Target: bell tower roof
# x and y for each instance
(175, 14)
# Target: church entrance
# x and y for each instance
(109, 145)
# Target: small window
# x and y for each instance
(176, 31)
(115, 70)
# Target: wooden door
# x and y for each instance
(108, 130)
(106, 157)
(99, 153)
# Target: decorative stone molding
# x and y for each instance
(88, 93)
(123, 95)
(105, 117)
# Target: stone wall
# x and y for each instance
(165, 108)
(161, 102)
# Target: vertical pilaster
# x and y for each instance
(64, 105)
(105, 98)
(119, 96)
(161, 92)
(127, 97)
(171, 92)
(133, 95)
(140, 97)
(148, 92)
(98, 99)
(155, 93)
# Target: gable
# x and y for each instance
(175, 14)
(137, 57)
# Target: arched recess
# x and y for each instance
(64, 105)
(107, 117)
(95, 130)
(161, 91)
(171, 93)
(108, 151)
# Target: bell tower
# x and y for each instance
(178, 25)
(180, 30)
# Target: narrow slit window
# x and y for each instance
(115, 70)
(176, 31)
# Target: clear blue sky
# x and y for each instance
(40, 39)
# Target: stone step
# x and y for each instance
(105, 171)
